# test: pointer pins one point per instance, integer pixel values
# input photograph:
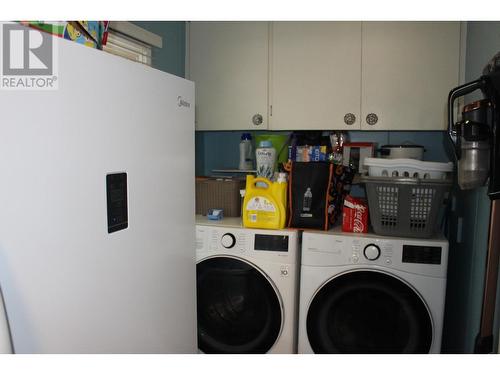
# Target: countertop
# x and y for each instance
(235, 222)
(338, 230)
(231, 222)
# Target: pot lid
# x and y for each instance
(402, 146)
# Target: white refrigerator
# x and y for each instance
(97, 251)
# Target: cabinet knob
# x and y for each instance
(257, 119)
(371, 119)
(349, 118)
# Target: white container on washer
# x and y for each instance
(404, 151)
(412, 168)
(246, 153)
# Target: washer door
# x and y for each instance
(368, 312)
(238, 308)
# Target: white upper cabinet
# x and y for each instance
(315, 75)
(323, 75)
(408, 68)
(228, 61)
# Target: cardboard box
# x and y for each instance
(220, 193)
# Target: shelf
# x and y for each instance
(234, 171)
(356, 180)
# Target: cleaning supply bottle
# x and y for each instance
(264, 205)
(265, 157)
(246, 154)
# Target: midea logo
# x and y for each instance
(182, 103)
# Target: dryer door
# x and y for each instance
(239, 310)
(368, 312)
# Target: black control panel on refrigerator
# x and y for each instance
(116, 194)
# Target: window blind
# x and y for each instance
(129, 48)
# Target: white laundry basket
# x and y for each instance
(378, 167)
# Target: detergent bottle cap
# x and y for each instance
(266, 144)
(282, 176)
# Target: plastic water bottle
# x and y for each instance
(246, 154)
(265, 157)
(306, 207)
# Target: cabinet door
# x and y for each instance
(228, 61)
(315, 75)
(408, 68)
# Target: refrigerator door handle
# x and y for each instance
(5, 338)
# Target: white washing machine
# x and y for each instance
(371, 294)
(247, 290)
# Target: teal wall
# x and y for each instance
(468, 242)
(471, 213)
(483, 41)
(220, 150)
(172, 56)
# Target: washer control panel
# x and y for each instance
(228, 240)
(269, 244)
(220, 239)
(371, 252)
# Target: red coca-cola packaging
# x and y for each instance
(355, 215)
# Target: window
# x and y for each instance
(131, 42)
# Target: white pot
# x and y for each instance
(402, 152)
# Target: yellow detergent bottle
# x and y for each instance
(264, 205)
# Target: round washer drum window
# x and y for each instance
(368, 312)
(238, 308)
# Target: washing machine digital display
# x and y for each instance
(422, 254)
(267, 242)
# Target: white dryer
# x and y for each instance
(247, 290)
(371, 294)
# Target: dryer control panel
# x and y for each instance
(419, 256)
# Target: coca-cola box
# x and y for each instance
(355, 215)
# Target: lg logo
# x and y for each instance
(26, 51)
